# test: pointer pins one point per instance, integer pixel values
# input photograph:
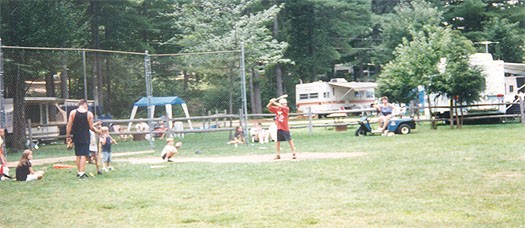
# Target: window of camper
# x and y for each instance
(303, 96)
(314, 95)
(357, 94)
(369, 94)
(33, 112)
(326, 95)
(511, 88)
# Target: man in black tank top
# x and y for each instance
(79, 123)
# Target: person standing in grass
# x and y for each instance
(24, 170)
(93, 151)
(106, 140)
(281, 110)
(78, 125)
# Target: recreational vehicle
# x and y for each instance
(47, 115)
(514, 84)
(335, 95)
(503, 81)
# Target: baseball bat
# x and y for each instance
(282, 96)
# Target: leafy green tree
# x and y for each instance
(438, 59)
(407, 17)
(467, 16)
(510, 39)
(384, 6)
(480, 20)
(319, 33)
(415, 63)
(464, 83)
(216, 25)
(35, 23)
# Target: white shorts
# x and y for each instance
(32, 177)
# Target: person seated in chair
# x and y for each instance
(386, 110)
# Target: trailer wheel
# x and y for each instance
(360, 132)
(403, 129)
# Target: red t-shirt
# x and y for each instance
(281, 117)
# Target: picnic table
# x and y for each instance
(339, 120)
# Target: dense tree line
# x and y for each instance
(286, 41)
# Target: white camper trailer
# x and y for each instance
(45, 114)
(335, 95)
(502, 83)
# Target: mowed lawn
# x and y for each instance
(468, 177)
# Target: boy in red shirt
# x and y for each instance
(280, 109)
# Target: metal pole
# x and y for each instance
(243, 91)
(30, 134)
(149, 88)
(2, 106)
(522, 112)
(85, 74)
(310, 125)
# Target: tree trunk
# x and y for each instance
(185, 81)
(279, 79)
(19, 117)
(50, 84)
(64, 78)
(451, 111)
(278, 70)
(100, 82)
(95, 43)
(50, 92)
(458, 125)
(230, 94)
(107, 83)
(257, 93)
(434, 122)
(251, 87)
(461, 118)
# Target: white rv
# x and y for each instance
(502, 83)
(335, 95)
(48, 118)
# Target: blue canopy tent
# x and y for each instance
(168, 102)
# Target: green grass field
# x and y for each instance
(472, 177)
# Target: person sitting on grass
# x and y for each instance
(24, 170)
(238, 137)
(170, 149)
(259, 134)
(3, 160)
(386, 109)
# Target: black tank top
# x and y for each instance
(80, 128)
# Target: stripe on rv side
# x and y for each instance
(333, 102)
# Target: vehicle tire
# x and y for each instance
(360, 132)
(403, 129)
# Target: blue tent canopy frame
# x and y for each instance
(174, 100)
(168, 102)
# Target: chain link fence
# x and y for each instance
(42, 85)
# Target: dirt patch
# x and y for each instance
(256, 158)
(73, 158)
